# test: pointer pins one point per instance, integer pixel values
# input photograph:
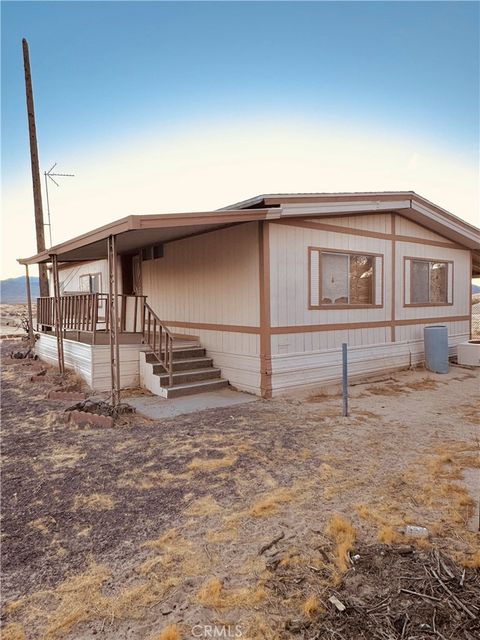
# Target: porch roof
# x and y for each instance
(136, 231)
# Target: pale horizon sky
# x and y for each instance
(166, 107)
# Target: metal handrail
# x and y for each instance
(159, 338)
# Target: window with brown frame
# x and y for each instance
(429, 282)
(341, 278)
(91, 283)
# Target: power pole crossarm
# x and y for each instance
(37, 192)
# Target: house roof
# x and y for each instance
(136, 231)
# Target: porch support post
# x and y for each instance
(31, 339)
(58, 315)
(113, 316)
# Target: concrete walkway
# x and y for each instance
(155, 407)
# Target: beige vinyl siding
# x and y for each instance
(70, 276)
(289, 276)
(213, 279)
(378, 223)
(459, 284)
(405, 227)
(310, 358)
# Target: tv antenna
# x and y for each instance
(50, 175)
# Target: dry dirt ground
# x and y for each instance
(248, 518)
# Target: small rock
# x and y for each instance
(336, 602)
(416, 532)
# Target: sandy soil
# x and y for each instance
(249, 516)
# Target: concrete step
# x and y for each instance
(194, 375)
(195, 387)
(184, 365)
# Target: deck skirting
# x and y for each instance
(92, 362)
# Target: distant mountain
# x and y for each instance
(13, 290)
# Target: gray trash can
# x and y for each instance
(435, 339)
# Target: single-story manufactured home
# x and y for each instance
(260, 294)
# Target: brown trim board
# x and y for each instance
(265, 329)
(230, 328)
(322, 226)
(393, 272)
(313, 328)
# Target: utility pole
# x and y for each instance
(37, 190)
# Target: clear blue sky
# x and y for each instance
(179, 106)
(105, 69)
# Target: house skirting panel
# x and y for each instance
(309, 370)
(92, 362)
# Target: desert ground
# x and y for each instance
(12, 318)
(272, 519)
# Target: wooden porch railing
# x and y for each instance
(89, 312)
(157, 335)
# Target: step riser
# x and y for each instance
(180, 354)
(183, 354)
(182, 378)
(188, 365)
(172, 392)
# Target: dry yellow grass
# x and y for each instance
(13, 631)
(41, 524)
(164, 541)
(94, 502)
(14, 606)
(212, 594)
(311, 606)
(270, 502)
(206, 506)
(207, 465)
(388, 535)
(343, 534)
(172, 632)
(80, 599)
(63, 457)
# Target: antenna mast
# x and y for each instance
(37, 192)
(50, 174)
